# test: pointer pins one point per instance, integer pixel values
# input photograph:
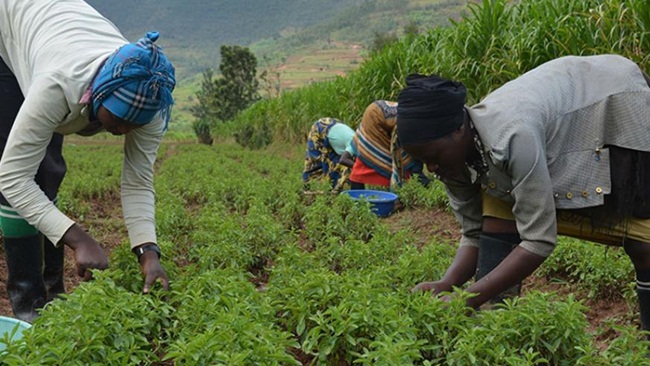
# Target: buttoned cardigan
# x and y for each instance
(545, 137)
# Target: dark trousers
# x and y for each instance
(35, 267)
(52, 169)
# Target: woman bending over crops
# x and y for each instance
(328, 152)
(381, 161)
(66, 69)
(563, 149)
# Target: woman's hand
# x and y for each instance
(152, 271)
(436, 287)
(87, 252)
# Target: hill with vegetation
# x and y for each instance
(193, 30)
(297, 42)
(339, 43)
(495, 42)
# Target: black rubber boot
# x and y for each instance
(25, 279)
(53, 270)
(644, 308)
(639, 253)
(493, 249)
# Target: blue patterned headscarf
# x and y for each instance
(136, 82)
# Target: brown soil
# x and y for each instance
(442, 225)
(426, 224)
(105, 223)
(108, 232)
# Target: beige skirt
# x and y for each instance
(579, 227)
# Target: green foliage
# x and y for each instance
(338, 218)
(105, 160)
(413, 194)
(602, 274)
(239, 71)
(222, 319)
(222, 98)
(262, 274)
(254, 136)
(529, 331)
(202, 130)
(495, 42)
(627, 349)
(382, 40)
(98, 324)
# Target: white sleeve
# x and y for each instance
(44, 108)
(138, 196)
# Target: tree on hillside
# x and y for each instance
(221, 98)
(412, 29)
(382, 40)
(270, 77)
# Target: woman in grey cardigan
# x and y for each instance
(67, 69)
(563, 149)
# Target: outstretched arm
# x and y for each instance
(460, 271)
(347, 159)
(138, 197)
(149, 259)
(519, 264)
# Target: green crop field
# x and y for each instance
(262, 274)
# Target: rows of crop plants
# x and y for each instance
(264, 275)
(495, 42)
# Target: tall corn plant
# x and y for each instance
(496, 41)
(641, 10)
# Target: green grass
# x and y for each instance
(264, 275)
(495, 42)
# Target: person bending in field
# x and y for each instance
(381, 161)
(66, 69)
(562, 149)
(328, 152)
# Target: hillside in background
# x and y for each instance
(360, 23)
(338, 44)
(193, 30)
(298, 42)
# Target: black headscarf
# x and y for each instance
(429, 107)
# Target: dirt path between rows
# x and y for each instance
(441, 226)
(105, 219)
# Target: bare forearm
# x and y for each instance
(464, 266)
(347, 160)
(76, 236)
(514, 268)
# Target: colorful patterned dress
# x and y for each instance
(320, 158)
